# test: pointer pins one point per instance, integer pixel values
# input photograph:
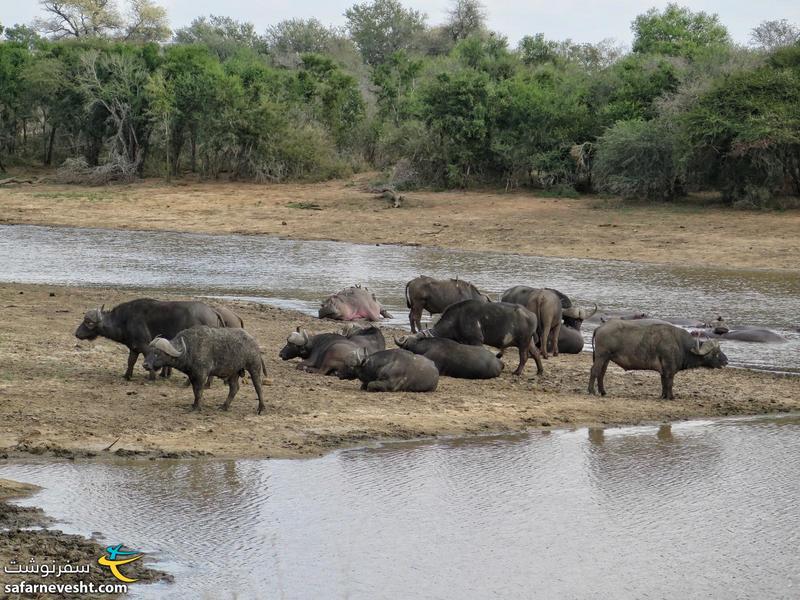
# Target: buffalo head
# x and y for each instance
(574, 316)
(297, 344)
(711, 354)
(161, 353)
(92, 320)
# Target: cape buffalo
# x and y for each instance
(759, 335)
(497, 324)
(134, 324)
(351, 304)
(395, 370)
(570, 341)
(325, 353)
(642, 346)
(434, 295)
(454, 359)
(546, 305)
(203, 352)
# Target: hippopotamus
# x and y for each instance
(610, 315)
(352, 304)
(759, 335)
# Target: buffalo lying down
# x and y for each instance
(434, 295)
(135, 323)
(203, 352)
(454, 359)
(325, 353)
(352, 304)
(496, 324)
(642, 346)
(394, 370)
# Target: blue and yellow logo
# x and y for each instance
(111, 560)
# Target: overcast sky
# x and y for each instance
(581, 20)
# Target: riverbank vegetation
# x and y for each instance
(98, 96)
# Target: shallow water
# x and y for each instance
(693, 510)
(298, 274)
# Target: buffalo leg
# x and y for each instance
(534, 352)
(233, 387)
(197, 388)
(601, 378)
(523, 358)
(545, 337)
(670, 378)
(556, 331)
(255, 375)
(415, 318)
(132, 357)
(379, 386)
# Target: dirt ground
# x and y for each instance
(65, 397)
(686, 233)
(44, 546)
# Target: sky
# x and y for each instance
(580, 20)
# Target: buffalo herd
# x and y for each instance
(204, 341)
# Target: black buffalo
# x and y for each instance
(497, 324)
(395, 370)
(325, 353)
(136, 323)
(646, 346)
(454, 359)
(435, 295)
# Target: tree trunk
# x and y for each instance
(194, 150)
(48, 157)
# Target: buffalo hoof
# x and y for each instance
(224, 406)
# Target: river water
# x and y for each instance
(693, 510)
(298, 274)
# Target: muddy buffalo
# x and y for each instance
(352, 304)
(454, 359)
(134, 324)
(325, 353)
(498, 324)
(434, 295)
(395, 370)
(641, 346)
(204, 352)
(570, 341)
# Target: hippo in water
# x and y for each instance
(352, 304)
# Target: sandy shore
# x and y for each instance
(46, 545)
(686, 233)
(65, 397)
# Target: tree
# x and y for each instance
(223, 35)
(677, 31)
(771, 35)
(382, 27)
(639, 159)
(147, 22)
(79, 18)
(465, 18)
(299, 36)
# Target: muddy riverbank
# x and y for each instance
(64, 397)
(19, 545)
(689, 233)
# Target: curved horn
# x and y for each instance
(707, 347)
(400, 341)
(167, 348)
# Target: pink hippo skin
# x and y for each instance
(352, 304)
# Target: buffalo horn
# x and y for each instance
(166, 347)
(400, 341)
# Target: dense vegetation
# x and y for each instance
(106, 97)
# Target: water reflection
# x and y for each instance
(702, 509)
